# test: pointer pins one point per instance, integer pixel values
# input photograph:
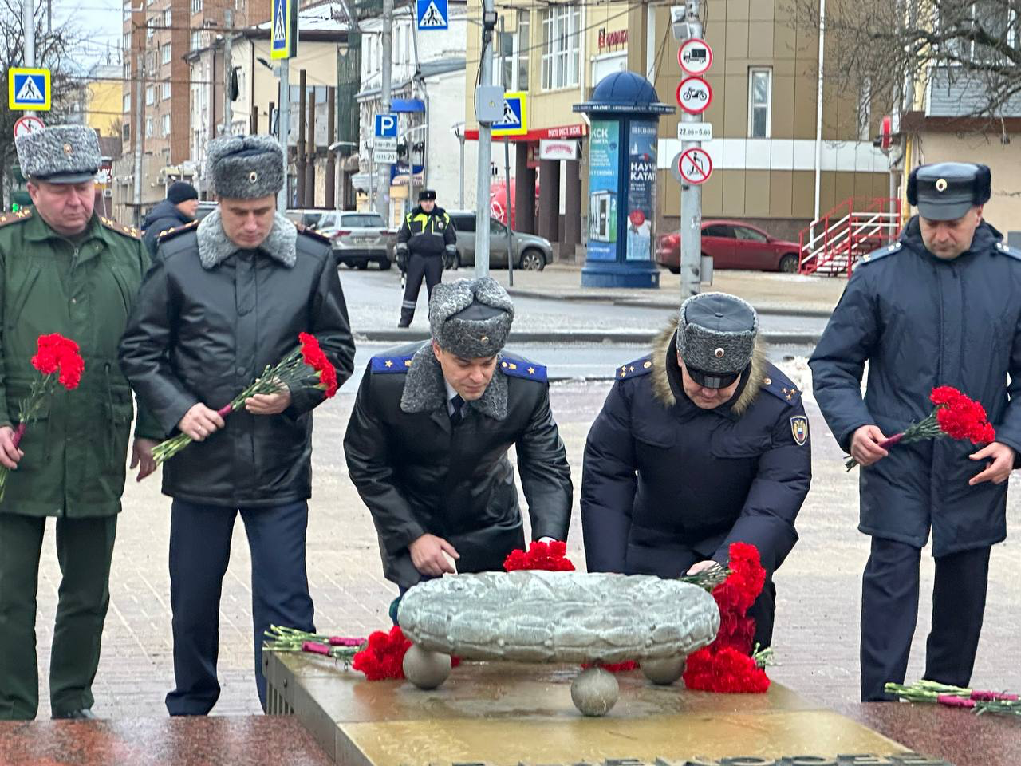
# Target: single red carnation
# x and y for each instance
(945, 396)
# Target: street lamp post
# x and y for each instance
(458, 128)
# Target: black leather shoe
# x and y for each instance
(75, 715)
(403, 325)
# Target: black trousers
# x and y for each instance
(889, 611)
(200, 537)
(419, 266)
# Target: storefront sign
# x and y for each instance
(612, 39)
(555, 149)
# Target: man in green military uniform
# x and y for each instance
(63, 269)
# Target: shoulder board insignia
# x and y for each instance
(171, 233)
(522, 368)
(780, 386)
(633, 369)
(386, 364)
(1011, 252)
(124, 231)
(311, 233)
(6, 219)
(881, 253)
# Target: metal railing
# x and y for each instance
(834, 243)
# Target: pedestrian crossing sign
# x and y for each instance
(432, 14)
(29, 89)
(282, 40)
(515, 116)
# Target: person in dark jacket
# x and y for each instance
(224, 299)
(424, 242)
(701, 444)
(427, 443)
(178, 209)
(938, 308)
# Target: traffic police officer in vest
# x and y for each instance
(701, 444)
(427, 443)
(939, 307)
(424, 243)
(64, 269)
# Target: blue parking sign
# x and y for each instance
(432, 14)
(386, 126)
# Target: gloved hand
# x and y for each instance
(402, 257)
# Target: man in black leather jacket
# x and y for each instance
(427, 443)
(224, 299)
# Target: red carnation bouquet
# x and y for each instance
(304, 362)
(548, 557)
(727, 664)
(58, 360)
(955, 415)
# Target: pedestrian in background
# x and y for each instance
(178, 209)
(424, 242)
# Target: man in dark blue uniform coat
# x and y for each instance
(699, 445)
(427, 443)
(940, 307)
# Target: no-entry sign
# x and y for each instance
(695, 166)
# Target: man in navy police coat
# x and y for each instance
(940, 307)
(699, 445)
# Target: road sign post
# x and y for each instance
(693, 165)
(29, 89)
(431, 15)
(283, 45)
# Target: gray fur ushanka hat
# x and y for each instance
(245, 167)
(716, 335)
(471, 317)
(60, 154)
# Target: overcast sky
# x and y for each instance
(98, 22)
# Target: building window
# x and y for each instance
(514, 54)
(127, 132)
(196, 6)
(127, 103)
(166, 17)
(561, 28)
(196, 40)
(165, 51)
(148, 127)
(150, 28)
(166, 91)
(165, 125)
(760, 86)
(149, 96)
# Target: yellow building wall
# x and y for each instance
(105, 107)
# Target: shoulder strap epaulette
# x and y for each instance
(385, 363)
(302, 229)
(124, 231)
(633, 369)
(6, 219)
(168, 234)
(517, 367)
(881, 253)
(1010, 252)
(780, 386)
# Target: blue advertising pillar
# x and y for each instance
(624, 115)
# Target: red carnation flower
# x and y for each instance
(549, 557)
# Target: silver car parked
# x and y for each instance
(358, 238)
(530, 252)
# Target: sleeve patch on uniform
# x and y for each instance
(799, 429)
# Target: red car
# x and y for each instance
(733, 245)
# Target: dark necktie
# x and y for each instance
(457, 413)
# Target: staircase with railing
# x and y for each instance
(833, 244)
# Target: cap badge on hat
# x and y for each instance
(941, 185)
(68, 149)
(253, 177)
(484, 339)
(719, 353)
